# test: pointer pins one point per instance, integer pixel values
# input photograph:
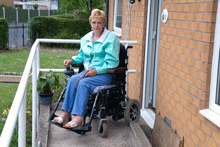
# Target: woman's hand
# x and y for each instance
(91, 73)
(66, 63)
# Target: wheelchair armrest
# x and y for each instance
(117, 70)
(80, 65)
(76, 65)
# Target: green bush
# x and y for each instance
(83, 14)
(3, 33)
(58, 28)
(68, 16)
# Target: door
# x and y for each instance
(151, 61)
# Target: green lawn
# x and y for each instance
(16, 61)
(8, 91)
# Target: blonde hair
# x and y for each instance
(96, 13)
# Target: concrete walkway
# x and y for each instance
(119, 134)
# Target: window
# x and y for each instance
(217, 99)
(213, 112)
(118, 17)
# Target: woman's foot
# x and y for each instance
(63, 119)
(75, 123)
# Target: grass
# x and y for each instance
(8, 91)
(15, 62)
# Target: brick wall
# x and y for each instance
(137, 29)
(184, 66)
(8, 2)
(184, 72)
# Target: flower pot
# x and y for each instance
(46, 99)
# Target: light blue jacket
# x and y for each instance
(103, 54)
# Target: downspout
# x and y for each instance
(106, 9)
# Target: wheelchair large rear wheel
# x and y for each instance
(132, 111)
(103, 130)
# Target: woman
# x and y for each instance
(99, 48)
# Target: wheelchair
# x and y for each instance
(106, 100)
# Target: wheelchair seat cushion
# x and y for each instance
(99, 88)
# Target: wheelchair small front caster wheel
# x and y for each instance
(103, 129)
(132, 111)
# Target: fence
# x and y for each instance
(14, 15)
(18, 35)
(18, 24)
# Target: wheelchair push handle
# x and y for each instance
(129, 46)
(69, 71)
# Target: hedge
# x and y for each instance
(68, 16)
(3, 33)
(58, 28)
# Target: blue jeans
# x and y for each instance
(75, 101)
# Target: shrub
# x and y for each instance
(3, 33)
(84, 14)
(35, 6)
(68, 16)
(58, 28)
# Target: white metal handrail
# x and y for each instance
(18, 107)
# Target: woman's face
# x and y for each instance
(97, 25)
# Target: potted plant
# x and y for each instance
(46, 84)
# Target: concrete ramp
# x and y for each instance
(119, 134)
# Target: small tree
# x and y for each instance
(35, 6)
(88, 5)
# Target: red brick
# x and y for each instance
(210, 142)
(212, 7)
(187, 113)
(192, 108)
(189, 142)
(194, 138)
(216, 137)
(202, 144)
(209, 17)
(200, 134)
(206, 129)
(202, 7)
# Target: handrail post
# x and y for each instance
(34, 100)
(3, 8)
(38, 12)
(28, 13)
(22, 123)
(16, 15)
(48, 11)
(38, 69)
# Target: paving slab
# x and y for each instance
(119, 134)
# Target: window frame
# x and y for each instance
(213, 112)
(117, 30)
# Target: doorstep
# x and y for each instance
(142, 133)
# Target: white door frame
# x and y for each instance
(147, 114)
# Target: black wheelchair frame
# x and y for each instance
(108, 101)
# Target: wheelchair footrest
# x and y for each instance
(82, 130)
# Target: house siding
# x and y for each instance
(184, 64)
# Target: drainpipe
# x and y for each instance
(107, 7)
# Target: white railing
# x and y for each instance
(18, 107)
